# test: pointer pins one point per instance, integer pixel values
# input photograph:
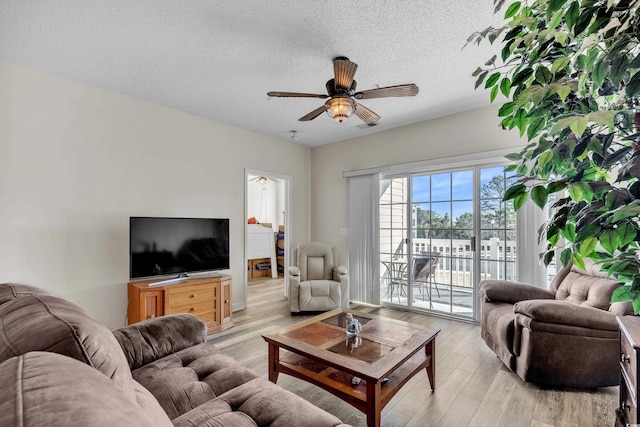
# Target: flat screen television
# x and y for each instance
(177, 246)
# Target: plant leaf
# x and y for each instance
(553, 23)
(578, 126)
(588, 245)
(539, 195)
(565, 256)
(519, 200)
(626, 233)
(505, 86)
(555, 5)
(636, 303)
(559, 64)
(492, 80)
(579, 261)
(633, 87)
(624, 212)
(598, 74)
(570, 232)
(521, 76)
(543, 75)
(514, 191)
(535, 127)
(512, 10)
(622, 294)
(572, 15)
(610, 240)
(580, 191)
(604, 117)
(494, 93)
(563, 91)
(506, 109)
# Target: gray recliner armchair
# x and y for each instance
(317, 283)
(564, 336)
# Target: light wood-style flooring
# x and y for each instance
(473, 388)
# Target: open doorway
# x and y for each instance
(267, 225)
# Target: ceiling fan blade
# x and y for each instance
(344, 70)
(387, 92)
(296, 95)
(312, 115)
(365, 114)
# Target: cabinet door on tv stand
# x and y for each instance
(151, 304)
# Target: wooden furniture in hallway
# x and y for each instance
(385, 355)
(208, 298)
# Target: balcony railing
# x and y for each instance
(455, 263)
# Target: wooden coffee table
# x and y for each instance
(319, 352)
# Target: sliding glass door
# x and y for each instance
(394, 226)
(440, 234)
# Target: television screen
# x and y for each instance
(164, 246)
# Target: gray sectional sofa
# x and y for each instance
(60, 367)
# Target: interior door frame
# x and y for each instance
(288, 208)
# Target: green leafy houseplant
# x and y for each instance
(570, 70)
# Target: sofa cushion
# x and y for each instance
(584, 289)
(11, 291)
(48, 389)
(153, 339)
(190, 377)
(315, 261)
(257, 403)
(47, 323)
(319, 295)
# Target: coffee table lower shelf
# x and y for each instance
(338, 382)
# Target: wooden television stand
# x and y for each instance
(208, 298)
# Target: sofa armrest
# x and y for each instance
(153, 339)
(566, 313)
(511, 292)
(294, 271)
(294, 289)
(341, 276)
(339, 272)
(624, 308)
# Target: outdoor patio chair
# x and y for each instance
(424, 266)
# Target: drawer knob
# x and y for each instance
(191, 309)
(152, 316)
(626, 358)
(193, 295)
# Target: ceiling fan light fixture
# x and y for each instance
(340, 108)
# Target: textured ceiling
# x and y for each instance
(218, 59)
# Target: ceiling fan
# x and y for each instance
(343, 96)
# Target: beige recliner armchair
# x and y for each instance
(565, 336)
(317, 283)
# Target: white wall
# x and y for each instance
(465, 133)
(272, 195)
(76, 161)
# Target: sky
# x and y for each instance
(438, 188)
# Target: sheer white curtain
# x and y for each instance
(364, 238)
